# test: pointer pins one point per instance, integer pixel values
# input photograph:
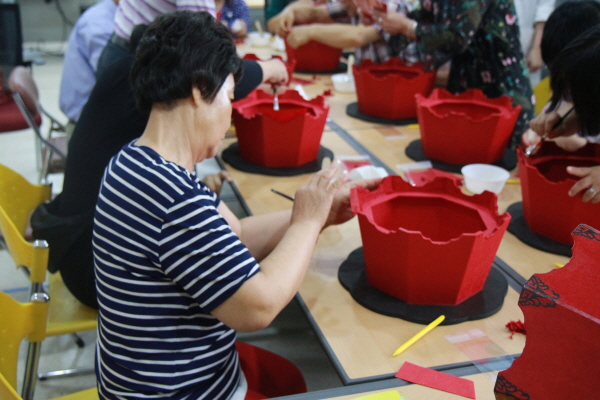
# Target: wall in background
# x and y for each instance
(42, 22)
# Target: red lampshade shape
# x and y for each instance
(314, 57)
(562, 319)
(387, 90)
(545, 183)
(466, 128)
(289, 137)
(289, 65)
(428, 244)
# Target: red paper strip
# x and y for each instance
(436, 380)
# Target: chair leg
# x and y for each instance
(31, 366)
(65, 372)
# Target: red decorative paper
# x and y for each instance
(545, 183)
(429, 243)
(314, 57)
(289, 137)
(436, 380)
(387, 90)
(516, 327)
(465, 128)
(560, 358)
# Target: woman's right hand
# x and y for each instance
(312, 202)
(274, 71)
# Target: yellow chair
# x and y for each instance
(542, 93)
(18, 198)
(19, 321)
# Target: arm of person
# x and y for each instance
(534, 55)
(340, 36)
(257, 72)
(292, 237)
(298, 13)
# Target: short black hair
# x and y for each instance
(180, 51)
(574, 76)
(566, 22)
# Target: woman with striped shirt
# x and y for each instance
(177, 273)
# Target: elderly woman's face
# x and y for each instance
(217, 117)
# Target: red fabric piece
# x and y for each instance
(516, 327)
(327, 93)
(268, 374)
(436, 380)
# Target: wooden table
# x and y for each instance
(360, 342)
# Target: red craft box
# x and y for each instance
(466, 128)
(314, 57)
(562, 320)
(547, 207)
(289, 65)
(289, 137)
(387, 90)
(429, 243)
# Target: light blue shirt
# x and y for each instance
(86, 42)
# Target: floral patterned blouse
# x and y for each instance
(481, 37)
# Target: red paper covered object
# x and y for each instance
(560, 358)
(314, 57)
(387, 90)
(429, 243)
(545, 183)
(289, 137)
(466, 128)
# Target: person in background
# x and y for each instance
(566, 22)
(574, 76)
(479, 37)
(337, 25)
(532, 16)
(86, 42)
(235, 14)
(177, 273)
(108, 121)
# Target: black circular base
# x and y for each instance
(342, 67)
(353, 111)
(489, 301)
(231, 155)
(518, 227)
(414, 151)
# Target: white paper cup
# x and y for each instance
(480, 177)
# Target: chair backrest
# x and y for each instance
(7, 392)
(19, 321)
(18, 198)
(542, 93)
(11, 40)
(20, 82)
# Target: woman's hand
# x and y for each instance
(312, 202)
(392, 22)
(340, 209)
(215, 181)
(570, 143)
(588, 185)
(282, 23)
(274, 71)
(299, 35)
(543, 124)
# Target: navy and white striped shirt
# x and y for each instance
(165, 258)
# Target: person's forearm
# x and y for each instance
(538, 32)
(311, 14)
(261, 233)
(344, 36)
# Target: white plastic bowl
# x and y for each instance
(343, 83)
(259, 40)
(480, 177)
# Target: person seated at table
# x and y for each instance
(337, 25)
(480, 38)
(566, 22)
(235, 14)
(177, 273)
(108, 121)
(574, 76)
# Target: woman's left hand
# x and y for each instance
(589, 183)
(215, 181)
(340, 208)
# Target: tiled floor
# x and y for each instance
(289, 335)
